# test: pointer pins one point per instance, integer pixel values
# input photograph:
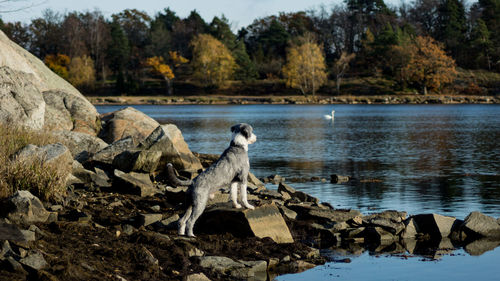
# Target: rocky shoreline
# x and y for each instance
(224, 100)
(118, 220)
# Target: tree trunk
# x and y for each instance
(337, 83)
(170, 90)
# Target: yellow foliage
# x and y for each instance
(58, 63)
(159, 67)
(212, 62)
(81, 71)
(305, 68)
(177, 59)
(428, 65)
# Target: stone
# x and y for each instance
(134, 183)
(253, 180)
(81, 145)
(264, 221)
(127, 122)
(395, 216)
(21, 102)
(28, 235)
(147, 219)
(481, 246)
(10, 232)
(410, 230)
(286, 188)
(52, 154)
(197, 277)
(128, 229)
(377, 234)
(308, 211)
(169, 140)
(100, 178)
(144, 161)
(388, 224)
(35, 261)
(107, 155)
(146, 255)
(12, 265)
(69, 112)
(435, 225)
(304, 197)
(288, 213)
(339, 179)
(275, 179)
(24, 208)
(477, 224)
(256, 270)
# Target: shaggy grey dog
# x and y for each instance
(231, 168)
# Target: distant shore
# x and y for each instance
(222, 100)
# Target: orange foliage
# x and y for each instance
(59, 64)
(159, 67)
(428, 65)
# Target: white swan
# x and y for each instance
(330, 117)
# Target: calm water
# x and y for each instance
(416, 158)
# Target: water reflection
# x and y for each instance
(424, 158)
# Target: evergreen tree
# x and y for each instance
(481, 45)
(452, 27)
(118, 53)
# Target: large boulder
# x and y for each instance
(435, 225)
(50, 154)
(480, 225)
(169, 140)
(21, 103)
(38, 94)
(127, 122)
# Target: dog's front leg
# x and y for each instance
(234, 195)
(243, 194)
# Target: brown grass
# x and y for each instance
(45, 181)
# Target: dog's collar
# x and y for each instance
(234, 144)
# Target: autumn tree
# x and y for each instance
(58, 63)
(305, 68)
(212, 62)
(158, 66)
(428, 65)
(81, 72)
(340, 66)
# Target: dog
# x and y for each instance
(231, 168)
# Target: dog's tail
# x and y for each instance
(173, 179)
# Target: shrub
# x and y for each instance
(45, 181)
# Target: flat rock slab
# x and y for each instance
(135, 183)
(264, 221)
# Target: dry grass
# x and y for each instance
(43, 180)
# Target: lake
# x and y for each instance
(417, 158)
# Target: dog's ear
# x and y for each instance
(235, 128)
(246, 130)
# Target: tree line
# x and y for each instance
(417, 46)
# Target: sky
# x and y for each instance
(239, 12)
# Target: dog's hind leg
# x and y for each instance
(243, 194)
(182, 221)
(198, 208)
(234, 195)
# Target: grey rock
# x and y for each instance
(264, 221)
(197, 277)
(10, 232)
(35, 261)
(25, 208)
(134, 183)
(236, 269)
(81, 145)
(12, 265)
(146, 255)
(481, 246)
(33, 73)
(308, 211)
(435, 225)
(51, 154)
(171, 222)
(411, 229)
(339, 179)
(377, 234)
(147, 219)
(145, 161)
(21, 102)
(100, 178)
(388, 224)
(5, 249)
(288, 213)
(480, 225)
(169, 140)
(128, 229)
(28, 235)
(108, 154)
(283, 187)
(395, 216)
(127, 122)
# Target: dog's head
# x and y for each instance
(243, 135)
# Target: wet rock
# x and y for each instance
(81, 145)
(108, 154)
(144, 161)
(308, 211)
(377, 234)
(147, 219)
(264, 221)
(134, 183)
(339, 179)
(395, 216)
(481, 246)
(197, 277)
(284, 188)
(388, 224)
(236, 269)
(127, 122)
(24, 208)
(435, 225)
(274, 179)
(34, 261)
(480, 225)
(411, 229)
(169, 140)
